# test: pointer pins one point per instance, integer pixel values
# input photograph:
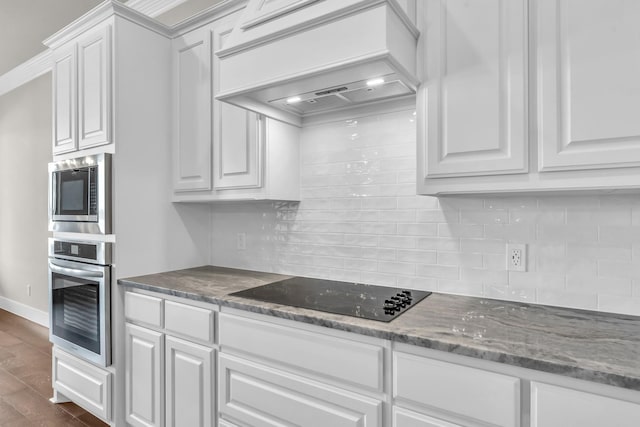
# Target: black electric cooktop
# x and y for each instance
(350, 299)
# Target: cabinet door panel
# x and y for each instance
(553, 406)
(260, 396)
(473, 101)
(192, 111)
(64, 100)
(144, 361)
(189, 384)
(238, 136)
(94, 89)
(588, 86)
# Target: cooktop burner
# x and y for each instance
(351, 299)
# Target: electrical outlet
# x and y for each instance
(241, 241)
(516, 257)
(28, 290)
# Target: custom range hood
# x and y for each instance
(289, 59)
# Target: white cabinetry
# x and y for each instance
(553, 406)
(477, 396)
(83, 383)
(222, 152)
(81, 91)
(479, 132)
(275, 372)
(169, 379)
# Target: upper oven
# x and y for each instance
(80, 298)
(80, 195)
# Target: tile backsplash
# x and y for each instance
(360, 220)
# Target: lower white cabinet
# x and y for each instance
(144, 376)
(169, 381)
(83, 383)
(258, 395)
(407, 418)
(553, 406)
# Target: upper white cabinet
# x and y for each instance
(81, 91)
(222, 152)
(479, 132)
(475, 88)
(589, 91)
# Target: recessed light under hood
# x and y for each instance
(289, 59)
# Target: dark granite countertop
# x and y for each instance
(593, 346)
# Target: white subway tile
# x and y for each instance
(360, 240)
(509, 293)
(492, 262)
(416, 256)
(459, 203)
(438, 271)
(433, 215)
(375, 228)
(568, 233)
(460, 230)
(595, 251)
(564, 265)
(619, 304)
(511, 232)
(484, 276)
(619, 235)
(423, 229)
(536, 280)
(483, 217)
(438, 243)
(624, 270)
(463, 288)
(602, 217)
(635, 288)
(460, 259)
(549, 216)
(584, 202)
(511, 202)
(582, 300)
(402, 268)
(361, 264)
(484, 246)
(403, 242)
(418, 202)
(599, 285)
(418, 283)
(406, 176)
(397, 216)
(380, 203)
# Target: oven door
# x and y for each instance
(74, 195)
(79, 315)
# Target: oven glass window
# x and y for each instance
(75, 191)
(76, 311)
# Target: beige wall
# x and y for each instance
(25, 150)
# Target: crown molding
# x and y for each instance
(153, 8)
(25, 72)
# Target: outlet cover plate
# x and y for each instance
(516, 257)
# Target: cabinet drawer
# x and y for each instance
(143, 309)
(339, 359)
(189, 321)
(406, 418)
(553, 406)
(259, 396)
(481, 395)
(85, 384)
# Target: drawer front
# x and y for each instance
(143, 309)
(256, 395)
(553, 406)
(480, 395)
(189, 321)
(336, 358)
(85, 384)
(406, 418)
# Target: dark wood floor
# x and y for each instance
(25, 379)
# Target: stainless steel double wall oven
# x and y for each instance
(80, 267)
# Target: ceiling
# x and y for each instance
(25, 23)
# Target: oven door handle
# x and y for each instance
(74, 271)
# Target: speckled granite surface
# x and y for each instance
(599, 347)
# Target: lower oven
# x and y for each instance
(80, 298)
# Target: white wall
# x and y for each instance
(25, 150)
(359, 220)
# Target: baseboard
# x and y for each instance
(38, 316)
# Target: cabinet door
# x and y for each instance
(189, 384)
(588, 85)
(553, 406)
(192, 111)
(64, 99)
(238, 136)
(94, 88)
(144, 367)
(472, 105)
(256, 395)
